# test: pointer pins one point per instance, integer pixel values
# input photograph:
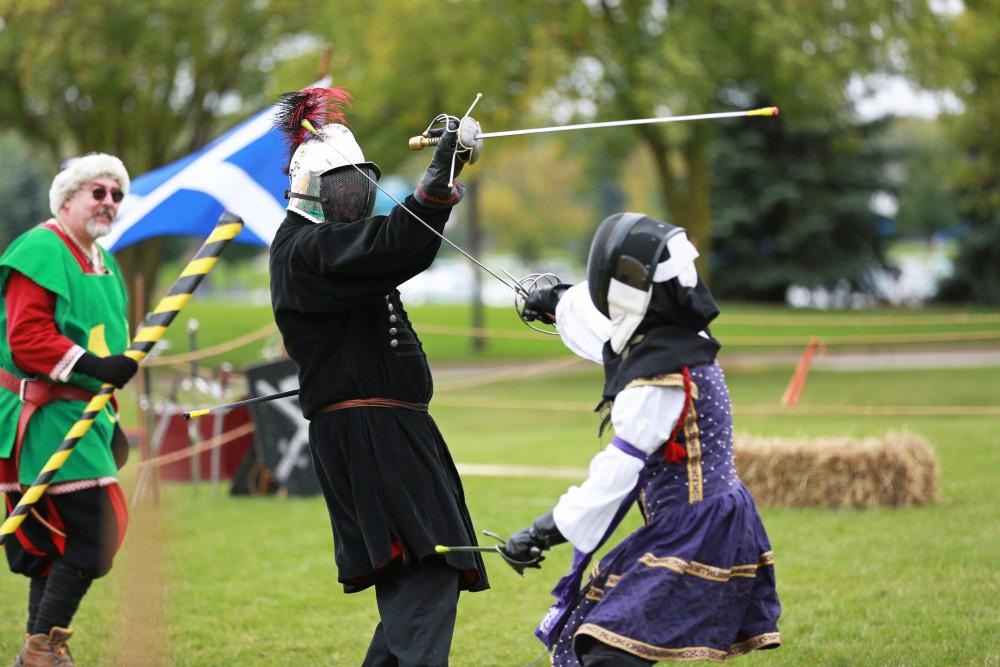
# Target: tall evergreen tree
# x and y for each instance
(792, 206)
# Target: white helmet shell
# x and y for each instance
(315, 157)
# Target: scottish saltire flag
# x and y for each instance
(241, 171)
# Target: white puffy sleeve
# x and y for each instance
(644, 417)
(582, 327)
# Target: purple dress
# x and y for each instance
(696, 582)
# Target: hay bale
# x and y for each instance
(896, 469)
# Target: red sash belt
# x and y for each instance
(34, 393)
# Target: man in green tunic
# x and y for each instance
(64, 313)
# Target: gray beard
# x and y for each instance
(96, 229)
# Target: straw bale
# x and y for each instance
(898, 468)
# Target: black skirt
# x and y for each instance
(393, 494)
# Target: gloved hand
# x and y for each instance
(116, 369)
(541, 303)
(525, 547)
(433, 188)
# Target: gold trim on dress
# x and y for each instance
(655, 653)
(754, 643)
(708, 572)
(692, 442)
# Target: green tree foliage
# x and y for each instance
(406, 62)
(792, 206)
(145, 81)
(977, 268)
(642, 58)
(544, 179)
(24, 188)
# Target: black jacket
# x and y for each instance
(390, 484)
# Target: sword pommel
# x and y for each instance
(420, 142)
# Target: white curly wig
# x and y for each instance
(79, 171)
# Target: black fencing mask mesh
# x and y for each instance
(347, 196)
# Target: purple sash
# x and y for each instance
(567, 590)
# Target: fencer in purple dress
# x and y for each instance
(696, 581)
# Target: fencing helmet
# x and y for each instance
(329, 178)
(631, 254)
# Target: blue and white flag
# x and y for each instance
(241, 171)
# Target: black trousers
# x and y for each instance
(84, 528)
(417, 613)
(593, 653)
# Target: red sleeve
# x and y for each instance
(35, 344)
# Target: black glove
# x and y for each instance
(116, 369)
(541, 303)
(525, 547)
(433, 188)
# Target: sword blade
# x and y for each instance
(765, 111)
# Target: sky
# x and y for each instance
(895, 95)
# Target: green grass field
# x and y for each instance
(223, 581)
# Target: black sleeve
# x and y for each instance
(378, 253)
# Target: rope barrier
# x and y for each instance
(511, 374)
(755, 410)
(878, 339)
(730, 340)
(479, 332)
(850, 320)
(215, 350)
(193, 450)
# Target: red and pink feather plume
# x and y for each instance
(320, 106)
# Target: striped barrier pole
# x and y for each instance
(151, 330)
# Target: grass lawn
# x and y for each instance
(222, 581)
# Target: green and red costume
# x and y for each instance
(56, 306)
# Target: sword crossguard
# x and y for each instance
(526, 286)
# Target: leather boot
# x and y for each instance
(48, 650)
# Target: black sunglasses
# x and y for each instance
(100, 193)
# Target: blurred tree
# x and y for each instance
(644, 58)
(977, 83)
(145, 81)
(926, 185)
(24, 187)
(540, 178)
(791, 205)
(406, 61)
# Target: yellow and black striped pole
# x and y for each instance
(149, 333)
